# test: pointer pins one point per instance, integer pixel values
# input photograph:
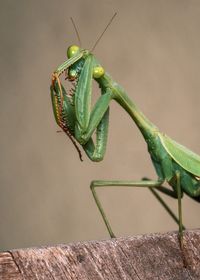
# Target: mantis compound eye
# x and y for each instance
(98, 71)
(72, 50)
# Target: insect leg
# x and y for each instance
(98, 121)
(64, 112)
(179, 208)
(178, 194)
(83, 95)
(95, 117)
(102, 183)
(168, 192)
(167, 208)
(96, 151)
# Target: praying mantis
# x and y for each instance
(174, 164)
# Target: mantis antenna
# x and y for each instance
(76, 30)
(109, 23)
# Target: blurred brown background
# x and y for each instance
(153, 50)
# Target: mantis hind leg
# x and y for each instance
(178, 180)
(178, 194)
(143, 183)
(167, 208)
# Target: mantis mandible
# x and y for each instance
(173, 163)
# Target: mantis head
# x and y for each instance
(75, 69)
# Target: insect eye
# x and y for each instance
(72, 50)
(98, 71)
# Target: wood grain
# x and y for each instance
(153, 256)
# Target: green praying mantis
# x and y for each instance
(173, 163)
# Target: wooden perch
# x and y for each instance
(143, 257)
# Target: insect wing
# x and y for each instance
(182, 155)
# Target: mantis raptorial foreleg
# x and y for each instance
(96, 152)
(98, 119)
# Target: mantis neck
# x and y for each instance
(146, 127)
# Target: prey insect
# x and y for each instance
(174, 164)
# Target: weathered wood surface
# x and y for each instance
(154, 256)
